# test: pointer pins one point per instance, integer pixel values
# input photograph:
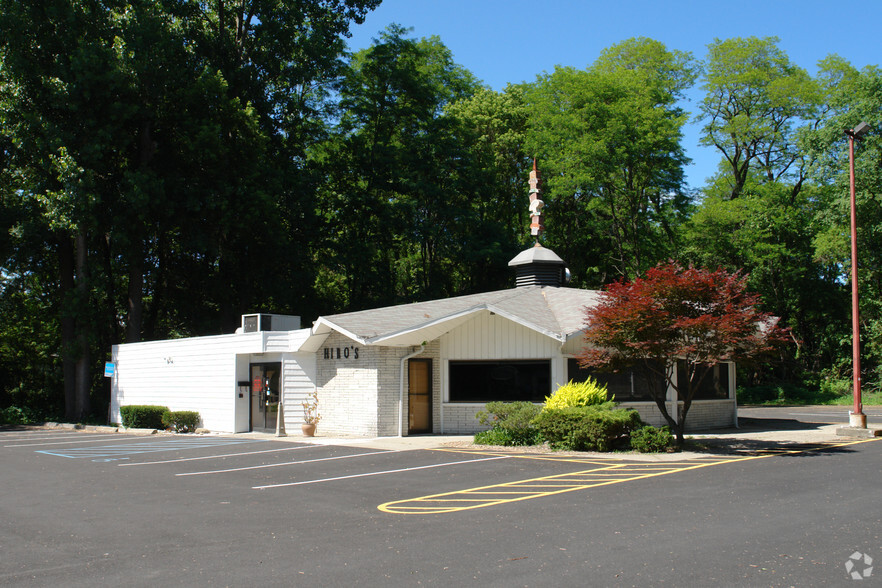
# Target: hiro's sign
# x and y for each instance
(350, 352)
(109, 369)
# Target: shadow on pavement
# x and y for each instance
(734, 442)
(750, 424)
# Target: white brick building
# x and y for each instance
(426, 367)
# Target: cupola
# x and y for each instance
(538, 266)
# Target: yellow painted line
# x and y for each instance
(449, 502)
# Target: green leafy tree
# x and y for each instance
(151, 147)
(608, 139)
(755, 99)
(771, 231)
(492, 126)
(393, 207)
(851, 96)
(759, 211)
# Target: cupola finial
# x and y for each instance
(536, 204)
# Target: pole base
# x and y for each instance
(858, 420)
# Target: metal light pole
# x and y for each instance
(856, 418)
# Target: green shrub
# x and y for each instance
(587, 393)
(13, 415)
(494, 437)
(651, 439)
(182, 421)
(586, 428)
(138, 416)
(511, 423)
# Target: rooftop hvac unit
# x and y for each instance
(253, 323)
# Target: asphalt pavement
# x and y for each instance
(86, 508)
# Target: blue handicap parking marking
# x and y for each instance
(153, 446)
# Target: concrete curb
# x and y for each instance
(101, 428)
(134, 431)
(858, 432)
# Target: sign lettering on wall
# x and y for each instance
(350, 352)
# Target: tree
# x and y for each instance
(688, 316)
(754, 96)
(850, 96)
(608, 142)
(492, 127)
(393, 205)
(770, 232)
(148, 150)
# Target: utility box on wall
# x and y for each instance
(254, 323)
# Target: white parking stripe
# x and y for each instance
(103, 439)
(425, 467)
(275, 465)
(217, 456)
(142, 445)
(53, 436)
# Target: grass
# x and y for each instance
(867, 398)
(836, 393)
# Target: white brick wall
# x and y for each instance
(347, 387)
(459, 419)
(703, 414)
(359, 396)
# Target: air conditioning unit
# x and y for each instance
(254, 323)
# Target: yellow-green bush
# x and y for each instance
(587, 393)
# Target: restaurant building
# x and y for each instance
(426, 367)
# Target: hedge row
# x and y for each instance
(600, 427)
(586, 428)
(137, 416)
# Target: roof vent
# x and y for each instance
(538, 266)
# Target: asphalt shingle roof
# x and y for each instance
(558, 312)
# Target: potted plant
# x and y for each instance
(311, 416)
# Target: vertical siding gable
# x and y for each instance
(490, 336)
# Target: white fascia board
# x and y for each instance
(527, 324)
(323, 327)
(297, 339)
(406, 337)
(312, 343)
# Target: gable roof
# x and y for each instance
(556, 312)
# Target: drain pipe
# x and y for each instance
(401, 388)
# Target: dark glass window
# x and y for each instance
(507, 381)
(714, 385)
(628, 385)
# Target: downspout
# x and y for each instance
(279, 417)
(401, 389)
(734, 392)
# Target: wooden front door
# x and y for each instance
(419, 395)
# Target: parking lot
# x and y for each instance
(83, 507)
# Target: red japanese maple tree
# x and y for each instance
(695, 316)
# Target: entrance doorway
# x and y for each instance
(265, 393)
(419, 395)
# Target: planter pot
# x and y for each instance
(308, 429)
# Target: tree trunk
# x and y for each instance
(65, 252)
(82, 404)
(135, 316)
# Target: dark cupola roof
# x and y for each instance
(538, 266)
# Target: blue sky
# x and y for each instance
(511, 41)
